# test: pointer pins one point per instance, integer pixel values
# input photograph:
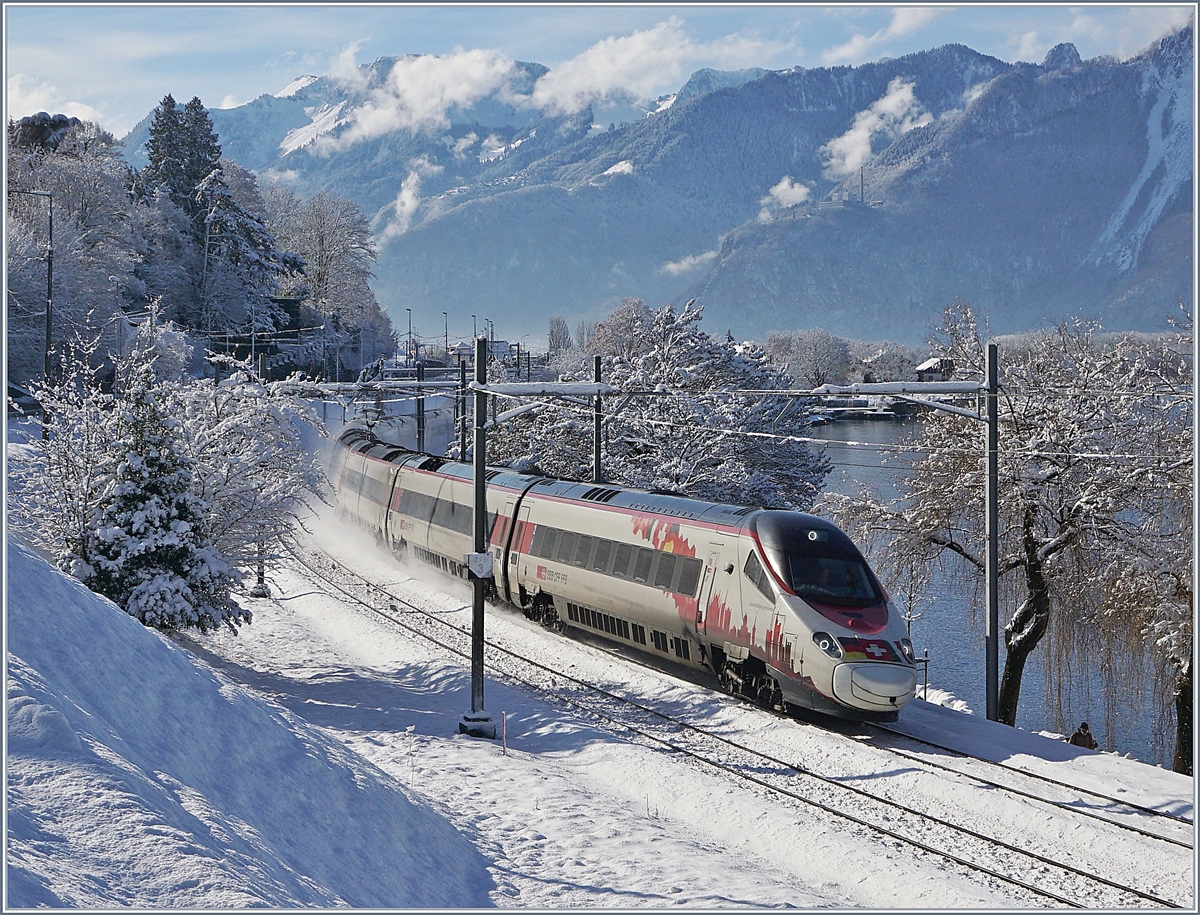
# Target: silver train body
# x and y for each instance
(779, 605)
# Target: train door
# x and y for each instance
(502, 563)
(757, 597)
(711, 570)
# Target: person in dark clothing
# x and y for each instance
(1083, 737)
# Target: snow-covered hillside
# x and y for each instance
(314, 759)
(137, 776)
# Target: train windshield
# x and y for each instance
(816, 560)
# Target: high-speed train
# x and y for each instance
(779, 605)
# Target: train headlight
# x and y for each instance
(909, 652)
(828, 644)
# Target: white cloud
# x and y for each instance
(400, 213)
(230, 101)
(287, 176)
(689, 263)
(345, 70)
(642, 65)
(905, 21)
(784, 194)
(26, 96)
(896, 113)
(463, 145)
(420, 90)
(1031, 48)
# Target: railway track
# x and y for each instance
(1135, 818)
(1012, 857)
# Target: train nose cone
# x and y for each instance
(877, 686)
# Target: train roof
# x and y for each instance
(658, 502)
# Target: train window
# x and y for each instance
(417, 505)
(639, 634)
(689, 575)
(620, 566)
(603, 551)
(664, 570)
(624, 628)
(641, 564)
(442, 513)
(680, 647)
(583, 546)
(545, 539)
(352, 480)
(659, 639)
(758, 576)
(499, 527)
(566, 546)
(375, 489)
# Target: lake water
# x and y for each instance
(951, 624)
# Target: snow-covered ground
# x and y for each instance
(314, 759)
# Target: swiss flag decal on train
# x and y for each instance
(868, 650)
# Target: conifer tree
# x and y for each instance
(234, 262)
(201, 151)
(165, 151)
(150, 552)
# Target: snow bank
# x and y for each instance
(137, 776)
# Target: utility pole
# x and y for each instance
(478, 723)
(420, 408)
(992, 525)
(462, 422)
(446, 320)
(597, 423)
(408, 350)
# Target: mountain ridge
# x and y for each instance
(743, 191)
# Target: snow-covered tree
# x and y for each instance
(333, 237)
(674, 425)
(148, 548)
(559, 335)
(814, 357)
(241, 264)
(252, 470)
(55, 483)
(80, 167)
(1090, 438)
(884, 361)
(583, 333)
(233, 264)
(236, 444)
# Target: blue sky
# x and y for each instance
(112, 64)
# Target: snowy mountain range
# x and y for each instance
(858, 199)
